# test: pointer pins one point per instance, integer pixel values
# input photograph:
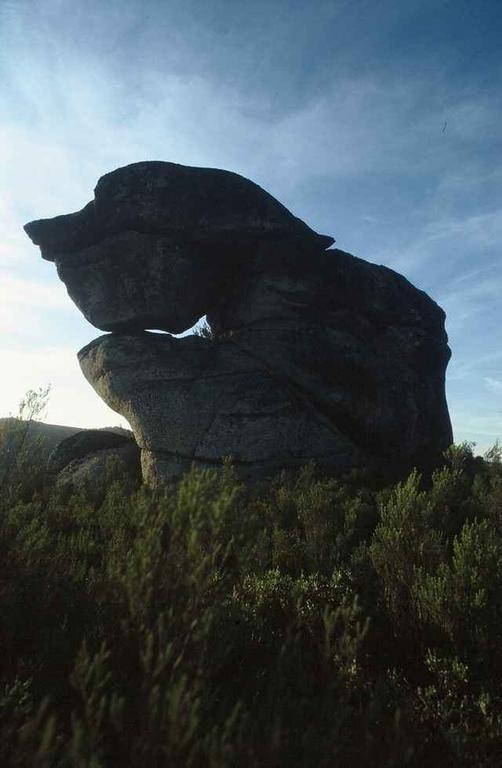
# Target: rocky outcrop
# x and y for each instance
(86, 460)
(83, 443)
(314, 355)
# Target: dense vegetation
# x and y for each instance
(314, 622)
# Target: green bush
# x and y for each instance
(310, 622)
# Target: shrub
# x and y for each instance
(309, 622)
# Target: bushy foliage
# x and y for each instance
(310, 622)
(22, 457)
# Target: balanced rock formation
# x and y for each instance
(314, 354)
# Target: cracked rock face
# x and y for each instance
(315, 355)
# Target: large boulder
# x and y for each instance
(315, 355)
(88, 459)
(83, 443)
(195, 400)
(154, 229)
(195, 205)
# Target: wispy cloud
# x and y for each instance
(30, 311)
(494, 384)
(23, 292)
(450, 239)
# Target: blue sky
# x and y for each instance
(377, 122)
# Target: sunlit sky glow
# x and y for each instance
(376, 121)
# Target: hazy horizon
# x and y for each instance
(375, 122)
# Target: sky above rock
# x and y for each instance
(374, 121)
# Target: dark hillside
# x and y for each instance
(50, 434)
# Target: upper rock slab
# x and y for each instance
(185, 203)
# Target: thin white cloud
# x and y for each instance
(30, 311)
(475, 363)
(23, 292)
(479, 230)
(476, 233)
(493, 384)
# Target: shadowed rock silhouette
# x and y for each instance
(314, 354)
